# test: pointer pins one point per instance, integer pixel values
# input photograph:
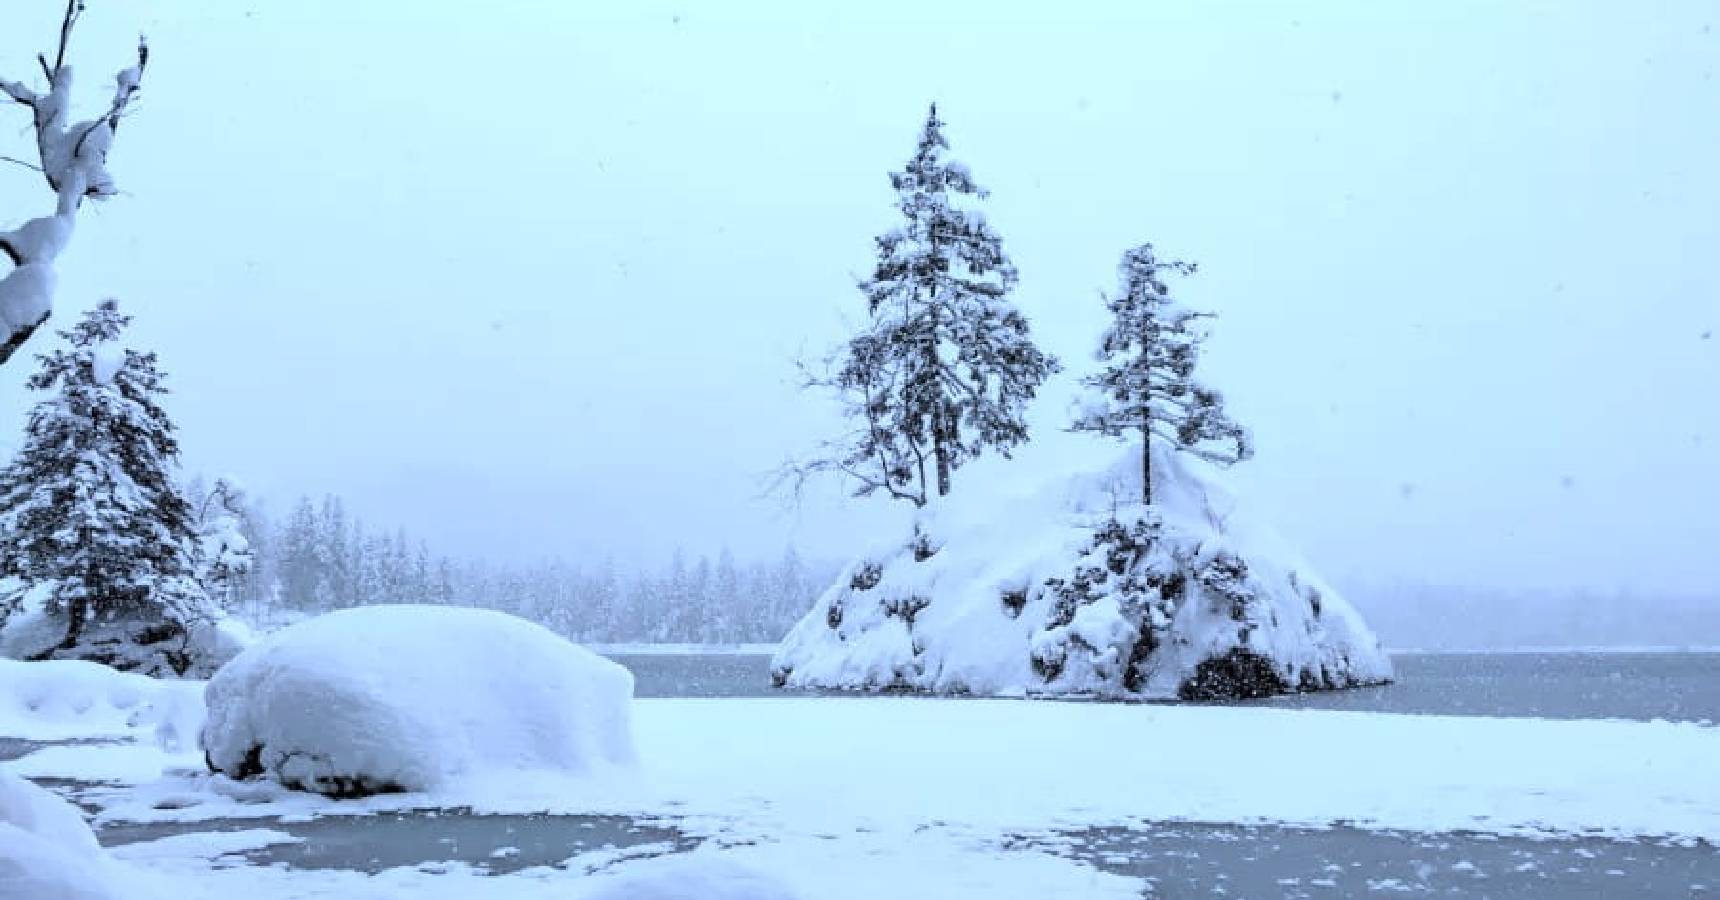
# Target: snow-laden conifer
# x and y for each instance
(93, 529)
(1148, 386)
(944, 365)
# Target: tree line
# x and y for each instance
(321, 558)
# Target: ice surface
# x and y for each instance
(412, 697)
(964, 605)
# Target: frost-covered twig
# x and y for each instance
(74, 163)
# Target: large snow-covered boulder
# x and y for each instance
(46, 849)
(1068, 585)
(388, 698)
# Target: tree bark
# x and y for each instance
(1147, 465)
(76, 615)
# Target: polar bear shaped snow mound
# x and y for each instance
(410, 698)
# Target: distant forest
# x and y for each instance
(1452, 617)
(320, 558)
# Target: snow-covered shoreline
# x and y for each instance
(798, 762)
(927, 786)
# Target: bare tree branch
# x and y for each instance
(16, 161)
(74, 9)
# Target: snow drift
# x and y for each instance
(388, 698)
(46, 850)
(56, 700)
(1073, 587)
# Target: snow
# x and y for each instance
(413, 697)
(56, 700)
(106, 359)
(46, 850)
(876, 797)
(944, 623)
(696, 876)
(26, 295)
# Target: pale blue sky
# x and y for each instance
(528, 278)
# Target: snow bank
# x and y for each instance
(46, 850)
(1070, 586)
(58, 700)
(388, 698)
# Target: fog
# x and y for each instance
(529, 278)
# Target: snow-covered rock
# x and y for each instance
(1070, 586)
(389, 698)
(46, 849)
(692, 876)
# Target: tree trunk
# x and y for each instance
(943, 455)
(1147, 466)
(76, 614)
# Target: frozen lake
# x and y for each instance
(1177, 859)
(1641, 686)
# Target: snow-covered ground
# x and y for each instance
(826, 799)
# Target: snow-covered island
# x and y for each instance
(1049, 572)
(1065, 585)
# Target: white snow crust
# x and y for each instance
(412, 697)
(944, 623)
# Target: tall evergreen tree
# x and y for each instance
(945, 365)
(1149, 387)
(91, 520)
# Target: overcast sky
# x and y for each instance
(528, 278)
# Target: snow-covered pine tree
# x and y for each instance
(1149, 387)
(225, 555)
(944, 364)
(91, 521)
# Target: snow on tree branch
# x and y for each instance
(73, 157)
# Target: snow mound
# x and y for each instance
(389, 698)
(46, 850)
(56, 700)
(694, 876)
(1071, 586)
